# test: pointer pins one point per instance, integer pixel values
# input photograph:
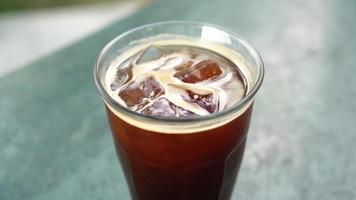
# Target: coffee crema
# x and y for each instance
(176, 81)
(178, 78)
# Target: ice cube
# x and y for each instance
(149, 54)
(202, 71)
(163, 108)
(205, 101)
(141, 91)
(123, 75)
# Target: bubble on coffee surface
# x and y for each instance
(177, 82)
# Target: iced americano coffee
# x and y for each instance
(179, 108)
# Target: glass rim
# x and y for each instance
(237, 106)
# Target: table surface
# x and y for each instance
(54, 137)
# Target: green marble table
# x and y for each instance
(55, 142)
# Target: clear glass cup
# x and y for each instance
(197, 158)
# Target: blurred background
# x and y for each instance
(30, 29)
(55, 142)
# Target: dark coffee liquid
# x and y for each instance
(164, 165)
(197, 166)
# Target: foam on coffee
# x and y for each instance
(227, 90)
